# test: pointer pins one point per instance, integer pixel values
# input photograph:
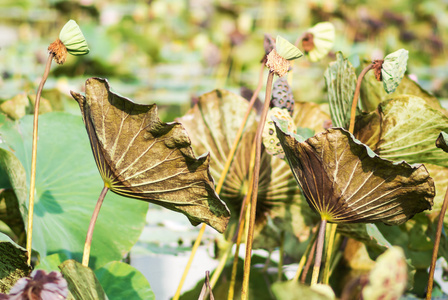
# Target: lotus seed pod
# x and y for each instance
(388, 278)
(286, 49)
(270, 140)
(318, 41)
(73, 39)
(394, 67)
(282, 96)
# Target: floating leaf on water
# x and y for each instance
(139, 156)
(393, 69)
(323, 35)
(340, 79)
(286, 49)
(345, 181)
(388, 278)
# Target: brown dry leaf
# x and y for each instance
(345, 182)
(141, 157)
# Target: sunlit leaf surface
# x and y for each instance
(409, 128)
(67, 187)
(213, 123)
(141, 157)
(340, 78)
(344, 181)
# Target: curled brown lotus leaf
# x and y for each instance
(345, 182)
(141, 157)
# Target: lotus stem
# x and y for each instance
(331, 239)
(282, 253)
(224, 173)
(436, 247)
(244, 219)
(303, 259)
(88, 243)
(309, 262)
(29, 236)
(356, 96)
(255, 177)
(319, 248)
(220, 267)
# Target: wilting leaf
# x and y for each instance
(368, 128)
(393, 69)
(323, 40)
(291, 290)
(409, 128)
(340, 79)
(82, 282)
(442, 141)
(67, 184)
(122, 281)
(139, 156)
(388, 278)
(440, 176)
(213, 123)
(373, 93)
(286, 49)
(344, 181)
(13, 263)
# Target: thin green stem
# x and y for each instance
(282, 253)
(305, 254)
(319, 248)
(88, 243)
(436, 247)
(224, 173)
(326, 276)
(356, 96)
(29, 236)
(253, 208)
(243, 221)
(309, 262)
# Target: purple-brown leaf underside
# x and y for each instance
(345, 182)
(141, 157)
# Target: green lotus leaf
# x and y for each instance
(122, 281)
(139, 156)
(373, 93)
(212, 124)
(440, 176)
(323, 39)
(73, 39)
(67, 188)
(442, 141)
(388, 278)
(82, 282)
(286, 49)
(393, 69)
(13, 263)
(409, 128)
(340, 79)
(346, 182)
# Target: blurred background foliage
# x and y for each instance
(170, 52)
